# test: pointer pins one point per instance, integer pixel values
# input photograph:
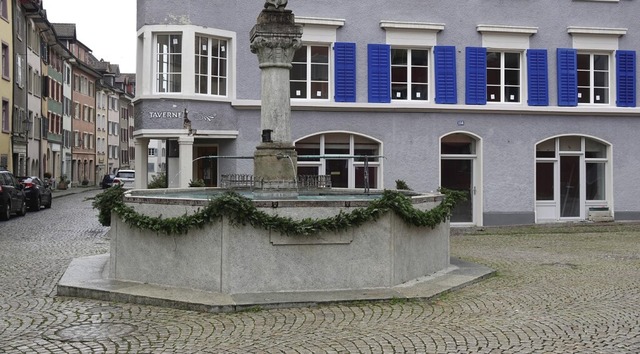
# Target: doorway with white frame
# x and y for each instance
(460, 170)
(573, 176)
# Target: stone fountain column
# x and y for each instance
(275, 38)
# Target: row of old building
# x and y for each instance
(65, 114)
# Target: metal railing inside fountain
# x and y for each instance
(245, 181)
(239, 181)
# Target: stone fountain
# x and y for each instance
(225, 266)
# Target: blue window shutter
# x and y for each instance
(476, 75)
(538, 77)
(567, 77)
(345, 72)
(445, 67)
(626, 78)
(379, 56)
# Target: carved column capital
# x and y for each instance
(275, 51)
(275, 38)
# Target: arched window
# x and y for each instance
(343, 156)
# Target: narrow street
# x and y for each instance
(563, 291)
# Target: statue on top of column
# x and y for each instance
(275, 4)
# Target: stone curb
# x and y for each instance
(57, 193)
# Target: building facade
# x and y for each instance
(113, 138)
(533, 118)
(84, 76)
(36, 125)
(105, 110)
(67, 133)
(20, 126)
(126, 157)
(102, 93)
(50, 126)
(55, 106)
(6, 82)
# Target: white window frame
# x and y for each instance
(598, 41)
(592, 84)
(309, 83)
(147, 67)
(503, 71)
(409, 79)
(413, 36)
(168, 73)
(209, 76)
(319, 32)
(508, 39)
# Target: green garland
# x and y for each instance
(241, 211)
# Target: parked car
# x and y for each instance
(125, 178)
(37, 191)
(12, 197)
(107, 181)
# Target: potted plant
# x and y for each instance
(197, 183)
(63, 183)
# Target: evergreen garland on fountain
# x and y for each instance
(241, 211)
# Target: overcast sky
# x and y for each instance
(108, 28)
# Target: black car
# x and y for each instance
(12, 197)
(38, 192)
(107, 181)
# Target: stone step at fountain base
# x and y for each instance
(86, 277)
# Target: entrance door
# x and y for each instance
(458, 175)
(570, 186)
(339, 171)
(207, 168)
(459, 163)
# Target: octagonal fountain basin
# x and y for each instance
(236, 259)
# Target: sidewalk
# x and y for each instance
(57, 193)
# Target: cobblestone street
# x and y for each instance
(572, 289)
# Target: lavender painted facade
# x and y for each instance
(544, 130)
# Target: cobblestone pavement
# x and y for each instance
(558, 290)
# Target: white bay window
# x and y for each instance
(192, 61)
